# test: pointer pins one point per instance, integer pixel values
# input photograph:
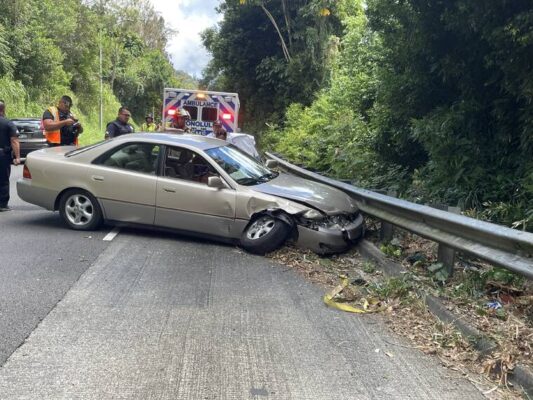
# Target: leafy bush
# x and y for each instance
(432, 100)
(43, 59)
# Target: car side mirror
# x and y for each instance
(215, 182)
(271, 163)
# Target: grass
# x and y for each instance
(393, 288)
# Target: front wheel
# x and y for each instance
(80, 210)
(264, 234)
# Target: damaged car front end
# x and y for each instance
(328, 221)
(329, 234)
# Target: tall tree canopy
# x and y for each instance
(50, 48)
(458, 81)
(271, 52)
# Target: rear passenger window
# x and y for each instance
(193, 111)
(209, 114)
(187, 165)
(139, 157)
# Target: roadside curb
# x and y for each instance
(521, 376)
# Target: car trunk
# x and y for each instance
(29, 130)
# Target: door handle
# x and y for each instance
(169, 190)
(97, 178)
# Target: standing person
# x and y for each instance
(149, 125)
(218, 131)
(9, 144)
(61, 128)
(179, 122)
(120, 126)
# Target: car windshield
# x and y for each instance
(244, 169)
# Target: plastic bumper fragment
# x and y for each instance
(330, 240)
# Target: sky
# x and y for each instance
(188, 18)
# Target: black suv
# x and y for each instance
(31, 135)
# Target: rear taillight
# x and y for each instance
(26, 172)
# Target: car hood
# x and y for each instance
(325, 198)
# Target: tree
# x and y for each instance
(432, 98)
(272, 53)
(457, 83)
(51, 48)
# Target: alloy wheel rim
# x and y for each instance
(79, 210)
(260, 228)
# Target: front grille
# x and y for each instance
(330, 222)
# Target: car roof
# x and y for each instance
(197, 141)
(26, 119)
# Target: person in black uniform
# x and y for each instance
(9, 145)
(120, 126)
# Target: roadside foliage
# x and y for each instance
(51, 48)
(431, 99)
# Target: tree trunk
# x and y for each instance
(283, 45)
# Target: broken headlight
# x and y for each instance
(312, 214)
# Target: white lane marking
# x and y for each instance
(111, 235)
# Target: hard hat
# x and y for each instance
(183, 113)
(217, 123)
(149, 116)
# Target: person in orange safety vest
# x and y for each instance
(61, 128)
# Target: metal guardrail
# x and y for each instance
(498, 245)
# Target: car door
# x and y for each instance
(125, 181)
(184, 200)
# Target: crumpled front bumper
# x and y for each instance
(326, 240)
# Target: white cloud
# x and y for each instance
(189, 18)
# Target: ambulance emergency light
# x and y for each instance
(226, 116)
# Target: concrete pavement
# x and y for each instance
(40, 259)
(159, 317)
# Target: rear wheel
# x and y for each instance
(264, 234)
(80, 210)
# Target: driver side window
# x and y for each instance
(188, 165)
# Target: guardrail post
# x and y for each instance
(446, 254)
(386, 232)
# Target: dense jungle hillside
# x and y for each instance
(51, 48)
(430, 98)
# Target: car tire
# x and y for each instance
(264, 234)
(80, 210)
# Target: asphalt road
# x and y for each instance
(39, 262)
(157, 316)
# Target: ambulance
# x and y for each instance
(205, 107)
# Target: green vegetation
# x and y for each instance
(429, 98)
(391, 250)
(393, 288)
(271, 70)
(368, 267)
(51, 48)
(439, 272)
